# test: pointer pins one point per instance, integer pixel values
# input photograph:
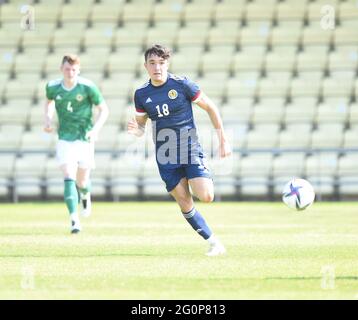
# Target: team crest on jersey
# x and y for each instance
(172, 94)
(79, 97)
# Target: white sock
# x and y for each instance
(212, 240)
(74, 217)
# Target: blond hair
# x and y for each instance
(72, 59)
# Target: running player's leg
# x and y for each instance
(202, 188)
(66, 158)
(183, 197)
(85, 165)
(84, 189)
(71, 195)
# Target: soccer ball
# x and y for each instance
(298, 194)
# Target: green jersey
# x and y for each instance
(74, 107)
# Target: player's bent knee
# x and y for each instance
(81, 183)
(207, 197)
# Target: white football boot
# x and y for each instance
(216, 248)
(86, 205)
(75, 223)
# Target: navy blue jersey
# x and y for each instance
(169, 106)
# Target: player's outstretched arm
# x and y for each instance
(209, 106)
(49, 113)
(136, 126)
(102, 117)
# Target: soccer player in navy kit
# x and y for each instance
(167, 100)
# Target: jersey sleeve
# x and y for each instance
(95, 95)
(49, 92)
(192, 90)
(139, 108)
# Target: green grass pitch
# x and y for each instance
(148, 251)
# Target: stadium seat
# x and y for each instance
(36, 140)
(198, 12)
(15, 112)
(168, 11)
(30, 62)
(131, 35)
(344, 58)
(108, 13)
(76, 11)
(39, 37)
(229, 11)
(322, 165)
(313, 58)
(224, 175)
(180, 63)
(215, 90)
(100, 175)
(254, 173)
(125, 173)
(285, 167)
(165, 36)
(216, 61)
(274, 85)
(350, 138)
(348, 11)
(7, 162)
(315, 35)
(327, 136)
(225, 33)
(10, 142)
(348, 177)
(282, 58)
(243, 85)
(54, 179)
(260, 10)
(100, 37)
(237, 110)
(295, 136)
(46, 12)
(316, 11)
(268, 110)
(336, 87)
(257, 33)
(108, 137)
(10, 35)
(291, 10)
(345, 35)
(305, 87)
(68, 38)
(353, 115)
(333, 111)
(286, 35)
(191, 37)
(301, 110)
(29, 173)
(264, 136)
(130, 12)
(249, 59)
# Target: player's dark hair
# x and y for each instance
(159, 51)
(71, 59)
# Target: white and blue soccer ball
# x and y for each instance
(298, 194)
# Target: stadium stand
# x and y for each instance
(285, 83)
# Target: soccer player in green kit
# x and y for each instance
(73, 98)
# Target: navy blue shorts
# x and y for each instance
(172, 175)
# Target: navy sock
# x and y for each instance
(198, 223)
